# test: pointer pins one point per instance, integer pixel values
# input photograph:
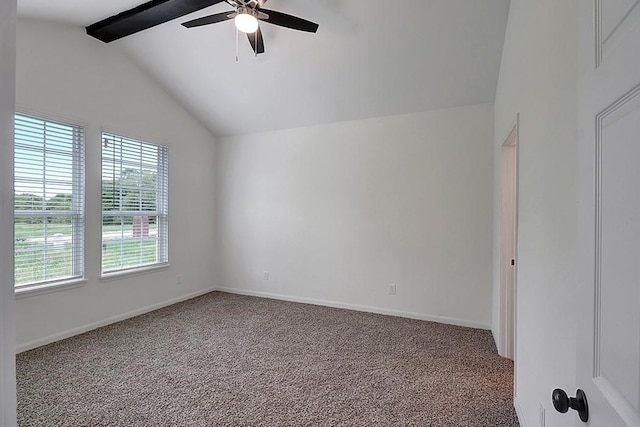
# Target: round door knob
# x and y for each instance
(560, 400)
(562, 403)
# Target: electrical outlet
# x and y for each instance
(392, 289)
(179, 279)
(265, 275)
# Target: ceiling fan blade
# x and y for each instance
(259, 48)
(211, 19)
(293, 22)
(145, 16)
(261, 3)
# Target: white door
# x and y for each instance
(508, 233)
(608, 293)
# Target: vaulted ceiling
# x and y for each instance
(368, 59)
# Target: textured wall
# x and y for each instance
(335, 213)
(63, 73)
(538, 79)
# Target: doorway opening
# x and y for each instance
(508, 243)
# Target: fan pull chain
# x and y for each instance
(236, 45)
(255, 37)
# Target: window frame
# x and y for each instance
(77, 212)
(161, 213)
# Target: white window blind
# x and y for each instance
(49, 201)
(134, 203)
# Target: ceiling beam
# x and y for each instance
(145, 16)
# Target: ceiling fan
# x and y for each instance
(246, 14)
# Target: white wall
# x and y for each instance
(7, 316)
(64, 74)
(538, 79)
(337, 212)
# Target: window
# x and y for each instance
(134, 204)
(49, 201)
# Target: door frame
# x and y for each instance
(508, 241)
(7, 297)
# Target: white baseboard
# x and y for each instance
(86, 328)
(495, 339)
(357, 307)
(519, 413)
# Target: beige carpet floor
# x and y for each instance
(230, 360)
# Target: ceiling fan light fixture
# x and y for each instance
(246, 20)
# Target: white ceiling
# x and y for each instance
(368, 59)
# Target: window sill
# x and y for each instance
(29, 291)
(122, 274)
